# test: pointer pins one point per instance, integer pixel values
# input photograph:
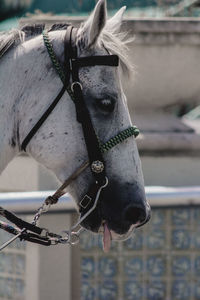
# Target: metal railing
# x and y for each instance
(28, 202)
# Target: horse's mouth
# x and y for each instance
(110, 235)
(110, 230)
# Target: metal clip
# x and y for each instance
(72, 232)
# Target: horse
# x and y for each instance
(29, 82)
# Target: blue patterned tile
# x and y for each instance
(20, 264)
(9, 288)
(19, 289)
(181, 216)
(196, 216)
(155, 238)
(108, 290)
(180, 290)
(89, 241)
(156, 290)
(197, 290)
(133, 267)
(181, 265)
(144, 275)
(197, 265)
(6, 262)
(107, 266)
(135, 242)
(158, 217)
(2, 263)
(196, 237)
(87, 291)
(87, 267)
(133, 290)
(2, 284)
(181, 239)
(156, 265)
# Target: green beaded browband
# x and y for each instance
(121, 136)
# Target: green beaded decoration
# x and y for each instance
(55, 62)
(119, 138)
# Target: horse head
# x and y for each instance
(60, 145)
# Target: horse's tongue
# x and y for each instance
(106, 239)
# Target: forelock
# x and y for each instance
(117, 43)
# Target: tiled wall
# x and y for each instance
(12, 269)
(160, 262)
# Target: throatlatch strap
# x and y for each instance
(42, 119)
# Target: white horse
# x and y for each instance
(28, 84)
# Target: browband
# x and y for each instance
(97, 60)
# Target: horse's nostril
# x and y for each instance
(134, 215)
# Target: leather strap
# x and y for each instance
(90, 136)
(82, 112)
(89, 61)
(42, 119)
(19, 222)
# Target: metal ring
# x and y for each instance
(74, 238)
(76, 82)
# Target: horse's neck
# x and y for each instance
(7, 107)
(7, 149)
(24, 74)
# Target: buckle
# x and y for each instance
(76, 83)
(85, 201)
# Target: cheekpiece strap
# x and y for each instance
(83, 116)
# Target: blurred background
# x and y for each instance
(135, 8)
(162, 259)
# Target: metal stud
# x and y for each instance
(97, 166)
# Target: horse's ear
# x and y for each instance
(114, 23)
(91, 30)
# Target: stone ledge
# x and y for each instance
(169, 142)
(163, 25)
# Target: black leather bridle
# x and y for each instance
(72, 64)
(69, 75)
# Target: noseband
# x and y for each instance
(69, 75)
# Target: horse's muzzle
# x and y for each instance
(121, 207)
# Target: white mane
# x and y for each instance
(113, 40)
(117, 43)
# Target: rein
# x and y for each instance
(95, 148)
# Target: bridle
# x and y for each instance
(69, 75)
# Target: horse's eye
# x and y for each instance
(106, 105)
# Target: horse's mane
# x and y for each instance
(116, 42)
(9, 39)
